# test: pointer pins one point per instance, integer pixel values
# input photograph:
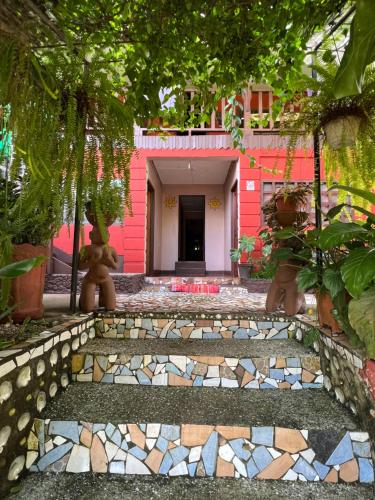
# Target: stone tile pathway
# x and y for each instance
(234, 300)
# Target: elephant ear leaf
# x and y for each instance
(333, 282)
(359, 53)
(340, 232)
(362, 318)
(358, 270)
(307, 278)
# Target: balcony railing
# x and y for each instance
(256, 103)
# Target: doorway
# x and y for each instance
(191, 228)
(234, 224)
(150, 229)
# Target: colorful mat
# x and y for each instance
(195, 288)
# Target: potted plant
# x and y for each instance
(292, 198)
(105, 203)
(301, 247)
(347, 123)
(11, 272)
(285, 208)
(356, 242)
(345, 284)
(246, 245)
(26, 230)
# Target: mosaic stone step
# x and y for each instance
(200, 451)
(205, 327)
(281, 364)
(87, 437)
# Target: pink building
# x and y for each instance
(193, 194)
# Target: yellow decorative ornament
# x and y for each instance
(214, 203)
(170, 202)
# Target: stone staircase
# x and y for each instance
(200, 397)
(190, 268)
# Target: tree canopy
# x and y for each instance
(77, 74)
(145, 45)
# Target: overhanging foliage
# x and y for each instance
(64, 65)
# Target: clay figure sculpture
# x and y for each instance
(284, 292)
(98, 258)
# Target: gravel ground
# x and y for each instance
(102, 403)
(12, 334)
(88, 486)
(227, 348)
(186, 302)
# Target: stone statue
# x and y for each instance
(284, 292)
(98, 258)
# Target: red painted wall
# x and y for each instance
(129, 239)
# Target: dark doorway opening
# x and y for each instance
(191, 228)
(150, 229)
(234, 223)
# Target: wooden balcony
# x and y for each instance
(256, 103)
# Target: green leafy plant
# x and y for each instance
(362, 317)
(77, 76)
(246, 245)
(311, 336)
(106, 201)
(264, 267)
(354, 164)
(298, 194)
(302, 248)
(358, 268)
(348, 272)
(22, 218)
(359, 53)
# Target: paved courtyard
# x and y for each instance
(230, 300)
(233, 300)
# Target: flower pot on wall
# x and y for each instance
(286, 219)
(27, 290)
(92, 218)
(342, 131)
(287, 204)
(324, 308)
(244, 270)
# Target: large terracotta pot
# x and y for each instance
(27, 290)
(324, 307)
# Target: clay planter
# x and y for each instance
(342, 131)
(244, 270)
(27, 290)
(287, 204)
(286, 219)
(324, 307)
(91, 217)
